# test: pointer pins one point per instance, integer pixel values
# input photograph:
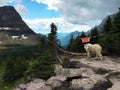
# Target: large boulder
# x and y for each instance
(56, 81)
(93, 82)
(38, 84)
(59, 70)
(108, 64)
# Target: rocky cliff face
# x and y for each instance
(11, 20)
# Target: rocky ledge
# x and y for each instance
(86, 75)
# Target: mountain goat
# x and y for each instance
(95, 49)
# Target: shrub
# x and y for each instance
(41, 67)
(111, 43)
(15, 67)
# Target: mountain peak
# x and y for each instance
(13, 30)
(7, 7)
(10, 18)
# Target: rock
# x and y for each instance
(87, 72)
(116, 86)
(38, 84)
(81, 84)
(93, 82)
(23, 86)
(107, 64)
(72, 72)
(55, 81)
(65, 59)
(115, 79)
(16, 89)
(108, 69)
(67, 72)
(74, 64)
(59, 70)
(92, 75)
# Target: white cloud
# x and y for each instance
(82, 11)
(4, 2)
(22, 10)
(43, 25)
(80, 14)
(52, 4)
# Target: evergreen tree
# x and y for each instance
(41, 67)
(69, 47)
(116, 22)
(94, 32)
(82, 34)
(108, 25)
(52, 36)
(76, 44)
(94, 35)
(80, 44)
(53, 41)
(43, 45)
(72, 44)
(15, 68)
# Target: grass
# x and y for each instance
(4, 86)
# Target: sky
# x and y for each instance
(67, 15)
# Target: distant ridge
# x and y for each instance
(65, 40)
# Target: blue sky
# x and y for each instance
(39, 10)
(68, 15)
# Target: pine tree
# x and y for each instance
(80, 44)
(52, 37)
(82, 34)
(76, 44)
(116, 22)
(94, 32)
(69, 47)
(43, 44)
(107, 26)
(94, 35)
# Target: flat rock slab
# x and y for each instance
(92, 83)
(111, 65)
(107, 63)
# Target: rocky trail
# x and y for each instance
(82, 74)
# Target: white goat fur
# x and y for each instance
(95, 49)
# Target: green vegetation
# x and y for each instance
(13, 64)
(108, 37)
(22, 63)
(111, 38)
(15, 68)
(20, 51)
(3, 85)
(108, 26)
(53, 42)
(76, 44)
(40, 68)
